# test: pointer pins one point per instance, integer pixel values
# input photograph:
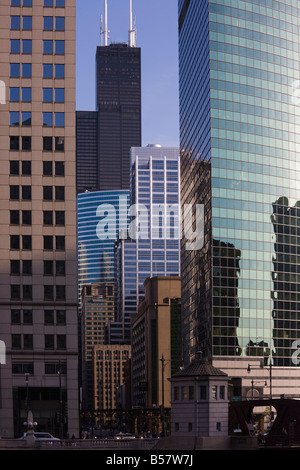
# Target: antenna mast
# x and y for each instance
(104, 31)
(132, 29)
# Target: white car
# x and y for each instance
(124, 436)
(41, 436)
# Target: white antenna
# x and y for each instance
(132, 39)
(104, 31)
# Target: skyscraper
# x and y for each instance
(105, 136)
(240, 159)
(38, 295)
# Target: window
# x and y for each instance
(14, 192)
(14, 118)
(47, 144)
(60, 268)
(60, 292)
(27, 23)
(203, 392)
(59, 193)
(14, 166)
(27, 292)
(27, 242)
(59, 95)
(49, 341)
(48, 268)
(48, 242)
(47, 169)
(59, 70)
(15, 316)
(26, 95)
(222, 392)
(53, 369)
(14, 242)
(14, 217)
(48, 23)
(48, 3)
(26, 70)
(59, 23)
(28, 341)
(190, 427)
(47, 95)
(26, 168)
(214, 392)
(60, 317)
(16, 341)
(14, 70)
(176, 393)
(25, 368)
(26, 217)
(14, 142)
(26, 143)
(47, 71)
(60, 218)
(47, 119)
(60, 242)
(14, 267)
(26, 119)
(48, 218)
(27, 46)
(48, 293)
(61, 342)
(59, 119)
(59, 47)
(59, 168)
(15, 46)
(15, 292)
(47, 193)
(15, 22)
(59, 144)
(27, 3)
(14, 94)
(49, 317)
(60, 3)
(15, 3)
(48, 46)
(27, 267)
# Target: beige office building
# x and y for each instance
(156, 342)
(38, 285)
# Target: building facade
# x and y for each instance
(239, 159)
(156, 342)
(38, 298)
(86, 151)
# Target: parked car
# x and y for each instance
(124, 436)
(41, 436)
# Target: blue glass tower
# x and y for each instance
(239, 66)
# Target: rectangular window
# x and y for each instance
(60, 268)
(15, 22)
(14, 192)
(59, 119)
(59, 70)
(48, 3)
(26, 217)
(60, 242)
(59, 168)
(49, 341)
(48, 46)
(48, 242)
(48, 293)
(60, 218)
(47, 193)
(47, 95)
(14, 118)
(60, 317)
(60, 292)
(26, 144)
(27, 23)
(47, 168)
(60, 3)
(27, 268)
(15, 317)
(15, 3)
(14, 142)
(61, 342)
(48, 268)
(59, 47)
(48, 23)
(27, 46)
(59, 193)
(48, 217)
(14, 94)
(14, 166)
(27, 292)
(47, 71)
(14, 242)
(26, 95)
(26, 119)
(59, 23)
(49, 317)
(27, 3)
(15, 267)
(59, 144)
(26, 70)
(15, 46)
(47, 144)
(47, 119)
(16, 342)
(26, 242)
(59, 95)
(26, 168)
(14, 70)
(26, 193)
(14, 217)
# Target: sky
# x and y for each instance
(157, 36)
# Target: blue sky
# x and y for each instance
(157, 36)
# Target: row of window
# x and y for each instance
(24, 119)
(25, 70)
(24, 94)
(25, 341)
(47, 3)
(28, 368)
(49, 143)
(49, 168)
(50, 23)
(49, 193)
(50, 242)
(188, 393)
(24, 267)
(24, 292)
(25, 317)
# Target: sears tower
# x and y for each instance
(105, 136)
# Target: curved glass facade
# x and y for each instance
(96, 242)
(239, 66)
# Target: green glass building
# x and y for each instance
(240, 157)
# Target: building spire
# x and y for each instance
(104, 29)
(132, 28)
